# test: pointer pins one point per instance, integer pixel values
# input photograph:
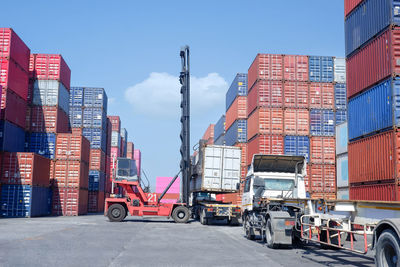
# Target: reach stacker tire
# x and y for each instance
(181, 214)
(116, 213)
(387, 249)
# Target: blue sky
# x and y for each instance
(131, 48)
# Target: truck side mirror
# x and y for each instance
(237, 186)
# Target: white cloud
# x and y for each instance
(159, 94)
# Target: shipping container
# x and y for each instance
(266, 67)
(124, 134)
(25, 169)
(68, 173)
(12, 137)
(219, 128)
(341, 138)
(14, 77)
(264, 144)
(115, 139)
(137, 155)
(116, 152)
(94, 118)
(367, 20)
(296, 122)
(97, 160)
(220, 141)
(97, 137)
(339, 70)
(237, 88)
(24, 201)
(340, 96)
(116, 123)
(322, 95)
(95, 98)
(41, 143)
(27, 125)
(377, 192)
(11, 46)
(322, 122)
(108, 137)
(322, 178)
(13, 108)
(76, 97)
(96, 180)
(52, 167)
(349, 6)
(321, 69)
(50, 93)
(265, 94)
(342, 171)
(96, 201)
(76, 117)
(318, 195)
(296, 94)
(51, 67)
(375, 158)
(72, 147)
(237, 133)
(209, 134)
(265, 121)
(237, 111)
(243, 163)
(297, 146)
(295, 68)
(322, 150)
(163, 182)
(340, 116)
(48, 119)
(69, 201)
(342, 193)
(129, 150)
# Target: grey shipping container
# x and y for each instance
(342, 171)
(341, 138)
(50, 93)
(339, 70)
(342, 193)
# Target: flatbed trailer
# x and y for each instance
(216, 210)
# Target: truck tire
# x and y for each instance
(233, 221)
(248, 229)
(203, 219)
(116, 213)
(269, 234)
(387, 249)
(181, 214)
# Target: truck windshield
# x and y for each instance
(278, 184)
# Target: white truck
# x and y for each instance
(275, 207)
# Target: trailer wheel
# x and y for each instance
(181, 214)
(248, 229)
(233, 222)
(116, 213)
(387, 249)
(269, 235)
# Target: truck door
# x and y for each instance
(246, 197)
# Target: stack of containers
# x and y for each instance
(130, 150)
(173, 193)
(209, 134)
(14, 79)
(372, 45)
(108, 183)
(137, 156)
(342, 166)
(219, 132)
(115, 151)
(124, 142)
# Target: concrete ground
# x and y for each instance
(94, 241)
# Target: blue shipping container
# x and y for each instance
(41, 143)
(237, 133)
(322, 122)
(76, 97)
(25, 201)
(340, 96)
(375, 110)
(297, 146)
(97, 137)
(237, 88)
(76, 117)
(219, 128)
(12, 137)
(220, 141)
(94, 118)
(320, 69)
(367, 20)
(96, 180)
(341, 116)
(95, 98)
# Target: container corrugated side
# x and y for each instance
(377, 192)
(322, 178)
(97, 160)
(342, 171)
(76, 97)
(237, 133)
(12, 46)
(267, 67)
(265, 94)
(322, 122)
(340, 96)
(41, 143)
(296, 94)
(322, 150)
(95, 98)
(295, 68)
(322, 95)
(339, 70)
(296, 122)
(68, 173)
(48, 119)
(69, 201)
(11, 137)
(96, 180)
(219, 128)
(70, 146)
(297, 146)
(94, 118)
(265, 121)
(209, 134)
(115, 122)
(349, 6)
(220, 141)
(96, 201)
(320, 69)
(50, 93)
(13, 108)
(265, 144)
(14, 78)
(97, 137)
(237, 111)
(237, 88)
(76, 117)
(341, 138)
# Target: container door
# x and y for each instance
(231, 168)
(212, 168)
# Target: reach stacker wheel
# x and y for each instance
(181, 214)
(387, 249)
(116, 213)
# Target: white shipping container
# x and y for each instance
(50, 93)
(115, 139)
(342, 193)
(341, 138)
(218, 170)
(339, 68)
(342, 171)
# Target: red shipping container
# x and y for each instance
(322, 95)
(11, 46)
(209, 134)
(316, 195)
(296, 94)
(296, 122)
(116, 123)
(373, 63)
(264, 144)
(237, 111)
(69, 201)
(243, 147)
(295, 68)
(72, 147)
(265, 121)
(52, 167)
(96, 201)
(48, 119)
(375, 158)
(233, 198)
(266, 67)
(28, 119)
(115, 152)
(322, 178)
(13, 108)
(51, 67)
(265, 94)
(375, 192)
(69, 173)
(13, 77)
(322, 149)
(25, 169)
(97, 160)
(109, 134)
(129, 150)
(349, 5)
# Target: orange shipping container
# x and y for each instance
(209, 134)
(265, 94)
(322, 178)
(72, 147)
(69, 201)
(264, 144)
(322, 150)
(322, 95)
(296, 94)
(295, 67)
(296, 122)
(316, 195)
(265, 66)
(97, 160)
(265, 121)
(238, 110)
(376, 192)
(69, 173)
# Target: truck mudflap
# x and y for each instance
(278, 231)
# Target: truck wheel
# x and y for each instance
(203, 219)
(181, 214)
(269, 234)
(248, 229)
(233, 222)
(116, 213)
(387, 249)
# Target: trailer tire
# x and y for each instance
(248, 229)
(269, 235)
(233, 221)
(387, 249)
(116, 213)
(181, 214)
